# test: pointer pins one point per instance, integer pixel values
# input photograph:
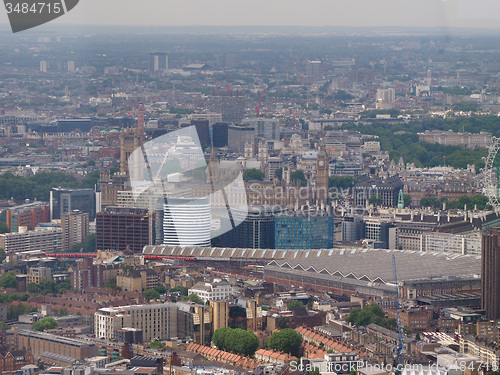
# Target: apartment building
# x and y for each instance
(157, 321)
(212, 291)
(48, 240)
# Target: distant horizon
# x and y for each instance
(451, 14)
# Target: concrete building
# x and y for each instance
(47, 240)
(41, 342)
(313, 71)
(186, 222)
(231, 104)
(266, 128)
(238, 136)
(387, 189)
(386, 95)
(38, 274)
(137, 280)
(113, 229)
(220, 314)
(212, 291)
(451, 138)
(27, 215)
(490, 273)
(64, 200)
(75, 227)
(255, 232)
(304, 231)
(158, 61)
(157, 321)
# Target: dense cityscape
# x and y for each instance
(318, 201)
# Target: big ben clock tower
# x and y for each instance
(322, 166)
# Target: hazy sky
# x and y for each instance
(427, 13)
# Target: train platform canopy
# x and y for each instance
(376, 266)
(371, 265)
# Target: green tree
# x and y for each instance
(3, 254)
(4, 325)
(279, 173)
(193, 298)
(161, 289)
(157, 345)
(371, 313)
(286, 340)
(4, 228)
(430, 202)
(340, 182)
(298, 175)
(181, 289)
(128, 268)
(8, 280)
(151, 294)
(13, 311)
(313, 371)
(295, 304)
(417, 337)
(407, 200)
(45, 323)
(253, 174)
(236, 340)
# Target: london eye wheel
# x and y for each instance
(491, 176)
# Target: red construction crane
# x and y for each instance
(257, 107)
(228, 86)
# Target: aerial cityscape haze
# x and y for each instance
(265, 188)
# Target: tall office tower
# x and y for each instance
(27, 215)
(120, 228)
(304, 231)
(71, 66)
(44, 65)
(428, 81)
(322, 174)
(131, 139)
(64, 200)
(267, 128)
(255, 232)
(158, 61)
(231, 104)
(313, 71)
(140, 123)
(220, 314)
(238, 136)
(75, 227)
(186, 222)
(203, 130)
(490, 273)
(386, 95)
(220, 134)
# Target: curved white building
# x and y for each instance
(186, 222)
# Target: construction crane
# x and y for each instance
(257, 107)
(398, 306)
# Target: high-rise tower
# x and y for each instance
(490, 273)
(131, 139)
(322, 166)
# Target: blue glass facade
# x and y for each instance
(303, 232)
